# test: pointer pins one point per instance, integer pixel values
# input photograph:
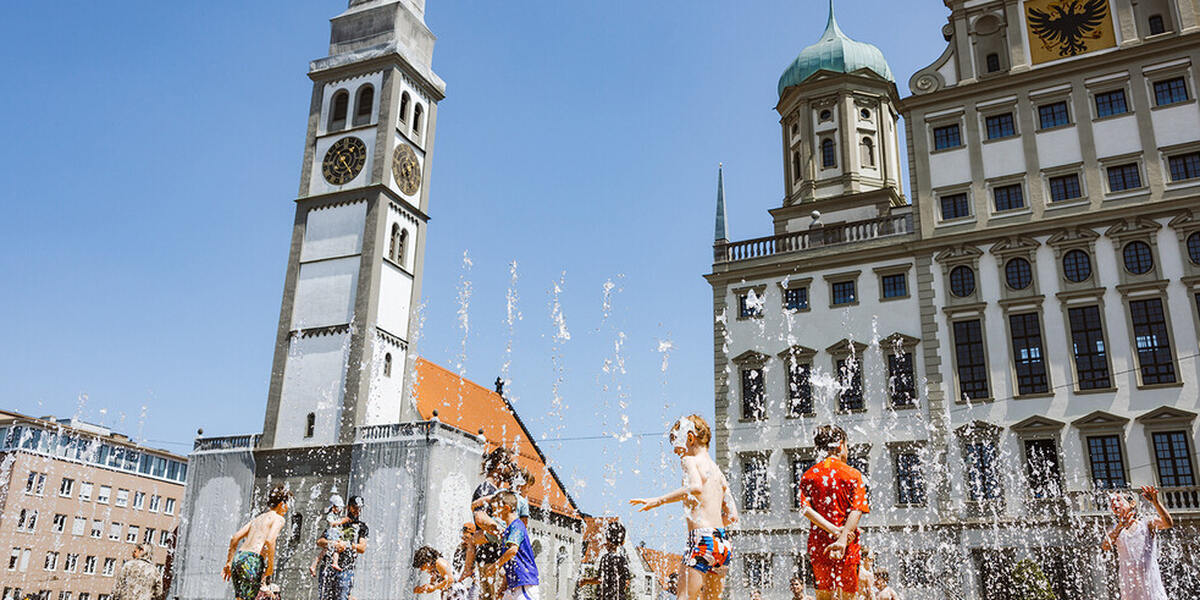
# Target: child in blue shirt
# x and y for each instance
(520, 569)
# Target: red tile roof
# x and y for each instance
(662, 563)
(466, 405)
(593, 537)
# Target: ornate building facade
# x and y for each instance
(1014, 341)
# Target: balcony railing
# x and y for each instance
(1178, 500)
(229, 442)
(817, 237)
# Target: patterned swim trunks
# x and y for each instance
(247, 575)
(707, 549)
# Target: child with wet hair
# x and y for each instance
(431, 561)
(334, 520)
(883, 591)
(1136, 541)
(708, 505)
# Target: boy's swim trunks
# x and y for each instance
(247, 575)
(708, 549)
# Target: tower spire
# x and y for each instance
(720, 235)
(831, 25)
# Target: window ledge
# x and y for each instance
(891, 298)
(949, 149)
(1012, 212)
(809, 415)
(749, 420)
(1070, 202)
(955, 221)
(843, 305)
(1127, 113)
(1055, 128)
(1127, 194)
(793, 311)
(1034, 396)
(1181, 184)
(921, 505)
(988, 400)
(853, 411)
(1107, 390)
(1001, 139)
(1160, 386)
(1171, 105)
(911, 406)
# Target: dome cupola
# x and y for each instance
(837, 53)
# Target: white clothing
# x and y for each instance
(522, 592)
(1137, 561)
(462, 590)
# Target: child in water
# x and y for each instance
(1136, 541)
(334, 520)
(431, 561)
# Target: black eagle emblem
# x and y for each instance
(1067, 25)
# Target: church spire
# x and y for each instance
(720, 235)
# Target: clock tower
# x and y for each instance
(358, 239)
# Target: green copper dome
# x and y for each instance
(834, 52)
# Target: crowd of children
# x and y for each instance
(495, 559)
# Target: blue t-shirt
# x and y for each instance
(522, 569)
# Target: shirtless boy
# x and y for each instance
(836, 490)
(883, 591)
(251, 556)
(708, 505)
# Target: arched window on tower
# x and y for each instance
(310, 425)
(867, 150)
(828, 154)
(404, 100)
(401, 247)
(363, 105)
(387, 364)
(394, 248)
(338, 108)
(993, 62)
(418, 111)
(796, 166)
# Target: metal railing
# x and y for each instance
(817, 237)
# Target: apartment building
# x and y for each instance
(75, 498)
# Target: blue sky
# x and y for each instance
(154, 155)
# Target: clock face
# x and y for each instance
(406, 169)
(344, 160)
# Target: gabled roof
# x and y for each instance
(466, 405)
(663, 564)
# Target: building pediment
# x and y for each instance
(751, 358)
(1167, 415)
(1100, 420)
(979, 429)
(1017, 244)
(846, 347)
(898, 341)
(1133, 227)
(1074, 236)
(797, 352)
(958, 254)
(1037, 424)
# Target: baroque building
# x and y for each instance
(1012, 339)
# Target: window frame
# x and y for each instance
(790, 285)
(1012, 132)
(1009, 189)
(1093, 332)
(1167, 330)
(1109, 92)
(1186, 457)
(1172, 100)
(1051, 108)
(835, 279)
(1031, 315)
(1079, 187)
(896, 450)
(882, 273)
(936, 134)
(741, 299)
(1127, 168)
(794, 358)
(983, 362)
(1193, 167)
(827, 150)
(762, 466)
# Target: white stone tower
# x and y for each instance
(839, 117)
(354, 271)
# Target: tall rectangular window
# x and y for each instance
(103, 495)
(955, 206)
(1000, 126)
(756, 493)
(902, 387)
(843, 293)
(1042, 469)
(79, 526)
(800, 466)
(1153, 341)
(1111, 103)
(1065, 187)
(850, 378)
(1170, 91)
(983, 481)
(1124, 177)
(1009, 197)
(1108, 466)
(946, 137)
(1053, 115)
(85, 491)
(1174, 459)
(757, 571)
(1184, 166)
(972, 364)
(910, 484)
(89, 565)
(1028, 354)
(1087, 343)
(97, 528)
(66, 487)
(800, 396)
(110, 566)
(894, 285)
(754, 395)
(122, 499)
(795, 298)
